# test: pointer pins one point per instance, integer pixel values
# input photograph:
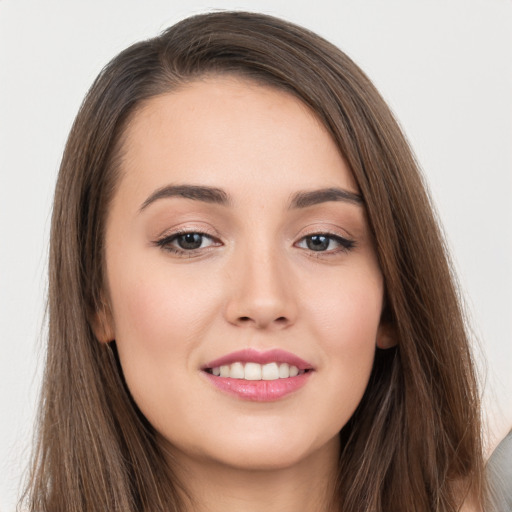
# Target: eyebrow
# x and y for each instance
(324, 195)
(195, 192)
(215, 195)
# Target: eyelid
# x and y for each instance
(327, 225)
(327, 229)
(164, 240)
(346, 242)
(188, 227)
(173, 236)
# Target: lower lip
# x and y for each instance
(259, 390)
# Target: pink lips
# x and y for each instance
(259, 390)
(250, 355)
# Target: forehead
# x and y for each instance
(231, 130)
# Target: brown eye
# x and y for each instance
(323, 242)
(318, 242)
(189, 241)
(186, 242)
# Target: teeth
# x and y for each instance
(270, 371)
(237, 371)
(252, 371)
(255, 371)
(284, 370)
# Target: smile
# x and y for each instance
(258, 376)
(255, 371)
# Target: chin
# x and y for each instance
(265, 452)
(262, 458)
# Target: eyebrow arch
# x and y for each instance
(195, 192)
(310, 198)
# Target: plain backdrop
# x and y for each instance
(445, 68)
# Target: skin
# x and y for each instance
(254, 282)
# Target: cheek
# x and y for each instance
(347, 311)
(159, 320)
(346, 317)
(159, 317)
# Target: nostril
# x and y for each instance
(261, 322)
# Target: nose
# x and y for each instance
(261, 292)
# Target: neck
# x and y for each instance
(307, 485)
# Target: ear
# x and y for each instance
(386, 335)
(103, 324)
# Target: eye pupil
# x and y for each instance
(317, 243)
(190, 241)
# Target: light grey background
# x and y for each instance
(444, 66)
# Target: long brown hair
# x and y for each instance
(413, 443)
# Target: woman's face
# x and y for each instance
(237, 244)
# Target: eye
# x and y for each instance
(325, 243)
(191, 241)
(186, 242)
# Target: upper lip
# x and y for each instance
(251, 355)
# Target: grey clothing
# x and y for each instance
(499, 473)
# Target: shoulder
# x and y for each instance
(499, 474)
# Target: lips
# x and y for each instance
(255, 371)
(251, 355)
(258, 376)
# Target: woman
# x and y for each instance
(251, 306)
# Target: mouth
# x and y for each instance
(254, 371)
(258, 376)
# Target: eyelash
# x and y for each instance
(166, 241)
(344, 244)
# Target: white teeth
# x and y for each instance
(270, 371)
(284, 370)
(255, 371)
(237, 371)
(252, 371)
